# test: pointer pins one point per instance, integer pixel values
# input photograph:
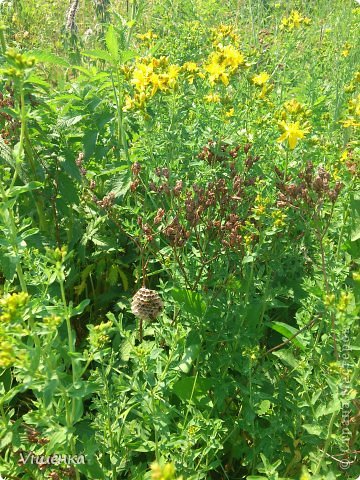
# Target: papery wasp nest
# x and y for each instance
(146, 304)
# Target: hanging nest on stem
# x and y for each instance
(146, 304)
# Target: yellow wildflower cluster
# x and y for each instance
(223, 62)
(344, 301)
(212, 98)
(354, 106)
(353, 119)
(190, 69)
(351, 87)
(329, 299)
(224, 32)
(261, 80)
(165, 472)
(345, 52)
(279, 218)
(293, 114)
(292, 132)
(260, 204)
(12, 307)
(148, 76)
(99, 335)
(7, 354)
(294, 110)
(147, 37)
(293, 21)
(53, 321)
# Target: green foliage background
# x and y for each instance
(109, 183)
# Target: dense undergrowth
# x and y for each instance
(206, 152)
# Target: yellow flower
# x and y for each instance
(212, 98)
(229, 113)
(260, 79)
(12, 306)
(279, 218)
(232, 57)
(173, 73)
(141, 75)
(147, 36)
(157, 82)
(354, 106)
(345, 52)
(294, 20)
(190, 67)
(217, 72)
(350, 122)
(344, 156)
(7, 354)
(224, 31)
(293, 106)
(305, 474)
(292, 133)
(259, 209)
(163, 472)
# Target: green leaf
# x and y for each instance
(90, 139)
(6, 439)
(8, 265)
(121, 184)
(287, 357)
(192, 302)
(99, 54)
(193, 388)
(331, 407)
(112, 43)
(5, 152)
(49, 390)
(44, 56)
(264, 407)
(78, 310)
(313, 429)
(14, 191)
(92, 470)
(12, 393)
(287, 331)
(67, 189)
(127, 55)
(190, 355)
(58, 439)
(35, 80)
(124, 279)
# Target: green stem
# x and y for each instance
(327, 443)
(286, 165)
(25, 152)
(70, 413)
(2, 39)
(13, 234)
(121, 117)
(22, 134)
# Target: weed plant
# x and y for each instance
(179, 240)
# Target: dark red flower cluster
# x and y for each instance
(311, 187)
(220, 207)
(215, 152)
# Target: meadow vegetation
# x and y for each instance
(179, 239)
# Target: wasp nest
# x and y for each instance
(146, 304)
